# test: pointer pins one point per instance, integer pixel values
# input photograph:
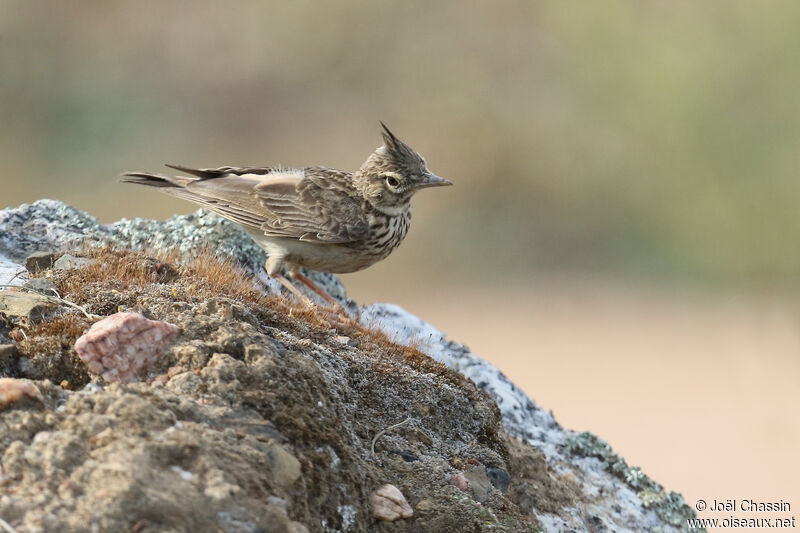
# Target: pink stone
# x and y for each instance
(120, 347)
(12, 389)
(389, 504)
(459, 480)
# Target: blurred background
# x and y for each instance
(623, 236)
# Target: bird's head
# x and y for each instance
(393, 173)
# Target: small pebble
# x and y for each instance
(175, 370)
(12, 389)
(8, 350)
(42, 436)
(460, 481)
(499, 478)
(101, 439)
(185, 474)
(42, 285)
(70, 262)
(347, 341)
(406, 455)
(389, 504)
(424, 505)
(39, 261)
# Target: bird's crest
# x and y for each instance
(396, 150)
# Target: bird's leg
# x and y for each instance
(273, 268)
(339, 308)
(291, 288)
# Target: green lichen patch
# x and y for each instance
(669, 506)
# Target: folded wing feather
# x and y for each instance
(309, 204)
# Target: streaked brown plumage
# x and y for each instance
(314, 217)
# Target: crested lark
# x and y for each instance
(314, 217)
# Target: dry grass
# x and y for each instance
(208, 276)
(56, 335)
(200, 276)
(124, 269)
(208, 272)
(68, 325)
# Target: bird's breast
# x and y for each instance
(386, 232)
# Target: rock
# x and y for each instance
(12, 390)
(272, 413)
(70, 262)
(422, 437)
(526, 420)
(275, 516)
(120, 347)
(8, 359)
(53, 225)
(424, 505)
(284, 466)
(407, 455)
(175, 370)
(38, 261)
(44, 226)
(41, 285)
(7, 351)
(499, 478)
(479, 483)
(389, 504)
(459, 480)
(25, 308)
(11, 273)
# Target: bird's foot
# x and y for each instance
(335, 311)
(333, 305)
(280, 278)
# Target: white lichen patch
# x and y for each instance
(11, 273)
(348, 514)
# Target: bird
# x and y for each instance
(314, 217)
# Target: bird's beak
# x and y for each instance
(432, 180)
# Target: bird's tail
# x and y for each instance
(156, 180)
(176, 186)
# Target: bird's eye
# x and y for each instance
(391, 181)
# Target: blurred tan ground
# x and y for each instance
(700, 390)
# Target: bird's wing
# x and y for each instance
(314, 204)
(211, 173)
(318, 207)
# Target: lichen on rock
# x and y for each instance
(669, 506)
